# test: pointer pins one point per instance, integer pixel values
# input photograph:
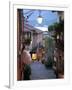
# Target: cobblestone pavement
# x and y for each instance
(39, 71)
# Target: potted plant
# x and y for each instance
(27, 41)
(49, 63)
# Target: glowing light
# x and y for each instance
(34, 56)
(39, 19)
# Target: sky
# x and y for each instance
(49, 18)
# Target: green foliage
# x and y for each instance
(43, 61)
(28, 41)
(48, 42)
(50, 28)
(49, 63)
(27, 72)
(34, 49)
(57, 27)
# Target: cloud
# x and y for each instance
(42, 28)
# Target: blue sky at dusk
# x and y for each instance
(49, 17)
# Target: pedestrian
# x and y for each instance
(25, 64)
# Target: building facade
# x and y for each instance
(20, 28)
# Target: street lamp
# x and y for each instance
(39, 18)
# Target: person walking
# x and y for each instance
(25, 64)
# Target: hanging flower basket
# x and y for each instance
(27, 41)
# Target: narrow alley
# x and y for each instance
(39, 71)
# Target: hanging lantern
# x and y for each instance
(39, 18)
